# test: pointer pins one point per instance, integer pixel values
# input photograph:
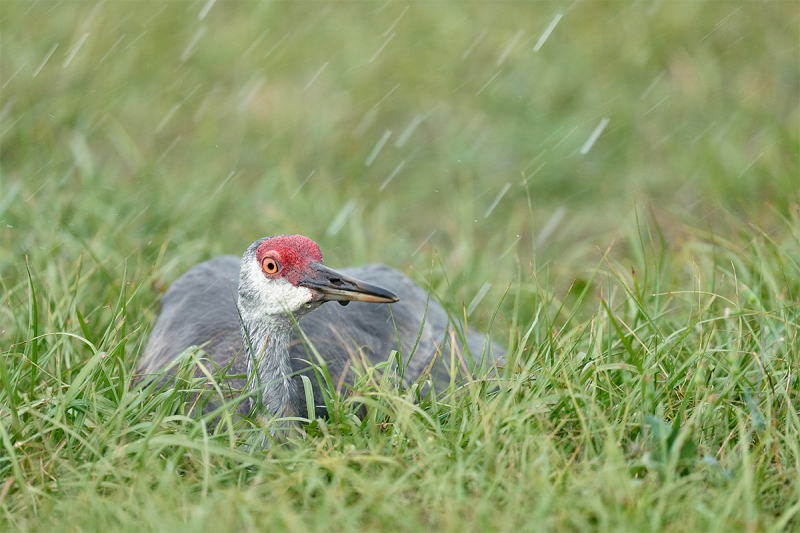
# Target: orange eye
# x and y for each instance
(270, 266)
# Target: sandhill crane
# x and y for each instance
(278, 281)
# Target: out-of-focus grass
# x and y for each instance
(652, 277)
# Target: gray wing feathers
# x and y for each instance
(199, 309)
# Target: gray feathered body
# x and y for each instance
(199, 309)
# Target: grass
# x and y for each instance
(647, 286)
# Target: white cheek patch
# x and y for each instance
(281, 297)
(278, 296)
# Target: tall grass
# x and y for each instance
(646, 288)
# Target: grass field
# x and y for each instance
(612, 188)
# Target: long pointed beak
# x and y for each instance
(329, 285)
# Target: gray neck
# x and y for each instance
(266, 346)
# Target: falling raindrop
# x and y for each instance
(478, 297)
(391, 27)
(377, 53)
(113, 46)
(392, 175)
(720, 23)
(742, 173)
(249, 92)
(488, 82)
(593, 137)
(169, 149)
(423, 243)
(44, 61)
(547, 32)
(255, 43)
(551, 225)
(374, 153)
(302, 184)
(655, 106)
(192, 43)
(570, 132)
(393, 89)
(315, 76)
(12, 76)
(224, 183)
(511, 247)
(206, 9)
(275, 46)
(535, 159)
(740, 39)
(705, 130)
(75, 48)
(6, 110)
(343, 216)
(497, 200)
(173, 110)
(474, 44)
(508, 49)
(369, 118)
(546, 139)
(652, 84)
(403, 138)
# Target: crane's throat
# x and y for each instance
(269, 367)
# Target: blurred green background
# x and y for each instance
(471, 143)
(451, 134)
(369, 126)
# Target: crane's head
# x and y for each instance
(285, 275)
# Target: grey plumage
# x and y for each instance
(199, 309)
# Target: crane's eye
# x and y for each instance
(270, 266)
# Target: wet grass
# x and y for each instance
(646, 284)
